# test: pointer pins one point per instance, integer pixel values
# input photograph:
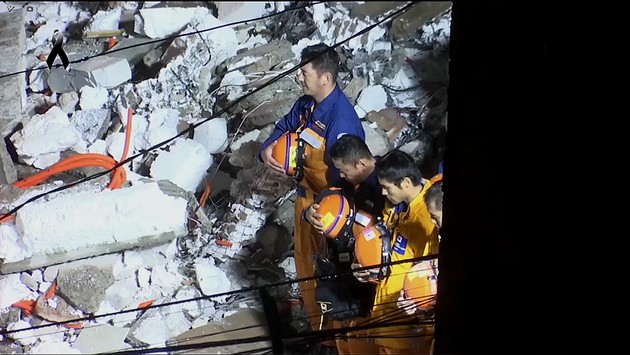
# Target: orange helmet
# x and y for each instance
(420, 284)
(337, 212)
(285, 152)
(436, 178)
(372, 244)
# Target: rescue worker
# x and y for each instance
(413, 235)
(433, 200)
(356, 164)
(321, 116)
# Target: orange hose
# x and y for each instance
(119, 175)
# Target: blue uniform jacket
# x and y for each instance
(335, 112)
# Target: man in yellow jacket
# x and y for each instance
(413, 235)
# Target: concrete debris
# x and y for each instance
(408, 23)
(104, 21)
(102, 338)
(211, 279)
(246, 156)
(372, 98)
(105, 71)
(84, 288)
(185, 164)
(13, 93)
(388, 120)
(212, 135)
(55, 309)
(136, 54)
(245, 323)
(354, 88)
(157, 325)
(45, 136)
(376, 139)
(165, 21)
(68, 101)
(13, 290)
(92, 123)
(93, 97)
(278, 98)
(164, 217)
(261, 58)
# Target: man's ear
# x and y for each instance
(327, 77)
(405, 183)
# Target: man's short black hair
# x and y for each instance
(325, 59)
(350, 148)
(434, 196)
(397, 165)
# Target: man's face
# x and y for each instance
(394, 194)
(353, 173)
(310, 81)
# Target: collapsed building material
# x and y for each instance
(13, 88)
(98, 223)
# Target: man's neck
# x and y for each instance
(413, 193)
(324, 94)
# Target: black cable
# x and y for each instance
(162, 40)
(279, 77)
(92, 317)
(193, 126)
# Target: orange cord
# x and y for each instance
(119, 175)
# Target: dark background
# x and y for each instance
(521, 247)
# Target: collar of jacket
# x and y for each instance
(417, 201)
(322, 110)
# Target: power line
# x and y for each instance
(92, 317)
(279, 77)
(162, 40)
(193, 126)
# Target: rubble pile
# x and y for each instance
(198, 215)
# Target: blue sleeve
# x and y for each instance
(290, 122)
(339, 128)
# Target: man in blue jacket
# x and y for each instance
(321, 116)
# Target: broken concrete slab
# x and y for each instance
(245, 323)
(105, 71)
(13, 92)
(158, 217)
(92, 123)
(373, 8)
(133, 55)
(410, 22)
(376, 139)
(260, 58)
(100, 339)
(84, 287)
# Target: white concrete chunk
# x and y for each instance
(93, 97)
(372, 98)
(62, 224)
(12, 247)
(211, 279)
(165, 21)
(45, 136)
(100, 339)
(185, 164)
(104, 21)
(13, 290)
(213, 135)
(158, 325)
(106, 71)
(376, 139)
